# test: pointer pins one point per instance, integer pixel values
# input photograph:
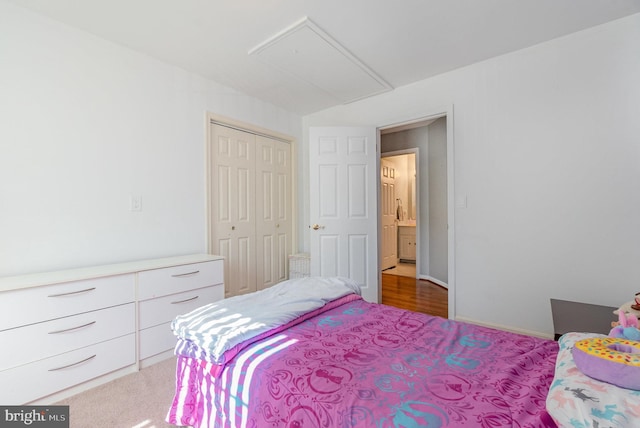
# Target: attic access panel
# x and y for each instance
(307, 53)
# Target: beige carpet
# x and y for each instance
(137, 400)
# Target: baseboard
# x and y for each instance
(505, 328)
(435, 281)
(156, 358)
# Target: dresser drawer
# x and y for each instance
(157, 339)
(38, 341)
(32, 305)
(163, 309)
(41, 378)
(161, 282)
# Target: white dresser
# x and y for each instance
(165, 293)
(62, 332)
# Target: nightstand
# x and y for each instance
(580, 317)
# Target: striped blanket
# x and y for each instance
(212, 332)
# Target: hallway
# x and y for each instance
(402, 269)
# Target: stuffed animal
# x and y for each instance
(614, 359)
(627, 327)
(609, 359)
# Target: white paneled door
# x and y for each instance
(273, 210)
(343, 205)
(250, 205)
(388, 213)
(233, 233)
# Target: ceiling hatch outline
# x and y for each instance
(309, 54)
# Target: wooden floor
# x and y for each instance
(415, 295)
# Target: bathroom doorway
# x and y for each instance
(398, 184)
(418, 152)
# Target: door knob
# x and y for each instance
(316, 226)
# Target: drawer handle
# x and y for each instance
(73, 364)
(72, 328)
(185, 300)
(179, 275)
(72, 292)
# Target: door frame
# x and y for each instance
(436, 113)
(213, 118)
(415, 151)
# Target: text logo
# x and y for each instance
(34, 416)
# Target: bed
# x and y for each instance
(336, 360)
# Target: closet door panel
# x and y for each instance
(274, 210)
(283, 207)
(283, 257)
(251, 208)
(233, 226)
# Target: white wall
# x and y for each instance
(84, 124)
(547, 153)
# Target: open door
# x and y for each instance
(343, 185)
(388, 214)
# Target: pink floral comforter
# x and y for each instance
(369, 365)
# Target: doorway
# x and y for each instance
(400, 209)
(423, 207)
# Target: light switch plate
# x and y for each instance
(135, 203)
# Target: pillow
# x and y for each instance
(610, 359)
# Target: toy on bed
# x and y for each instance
(578, 400)
(614, 359)
(626, 328)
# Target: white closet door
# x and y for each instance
(233, 206)
(273, 210)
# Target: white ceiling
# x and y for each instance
(396, 42)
